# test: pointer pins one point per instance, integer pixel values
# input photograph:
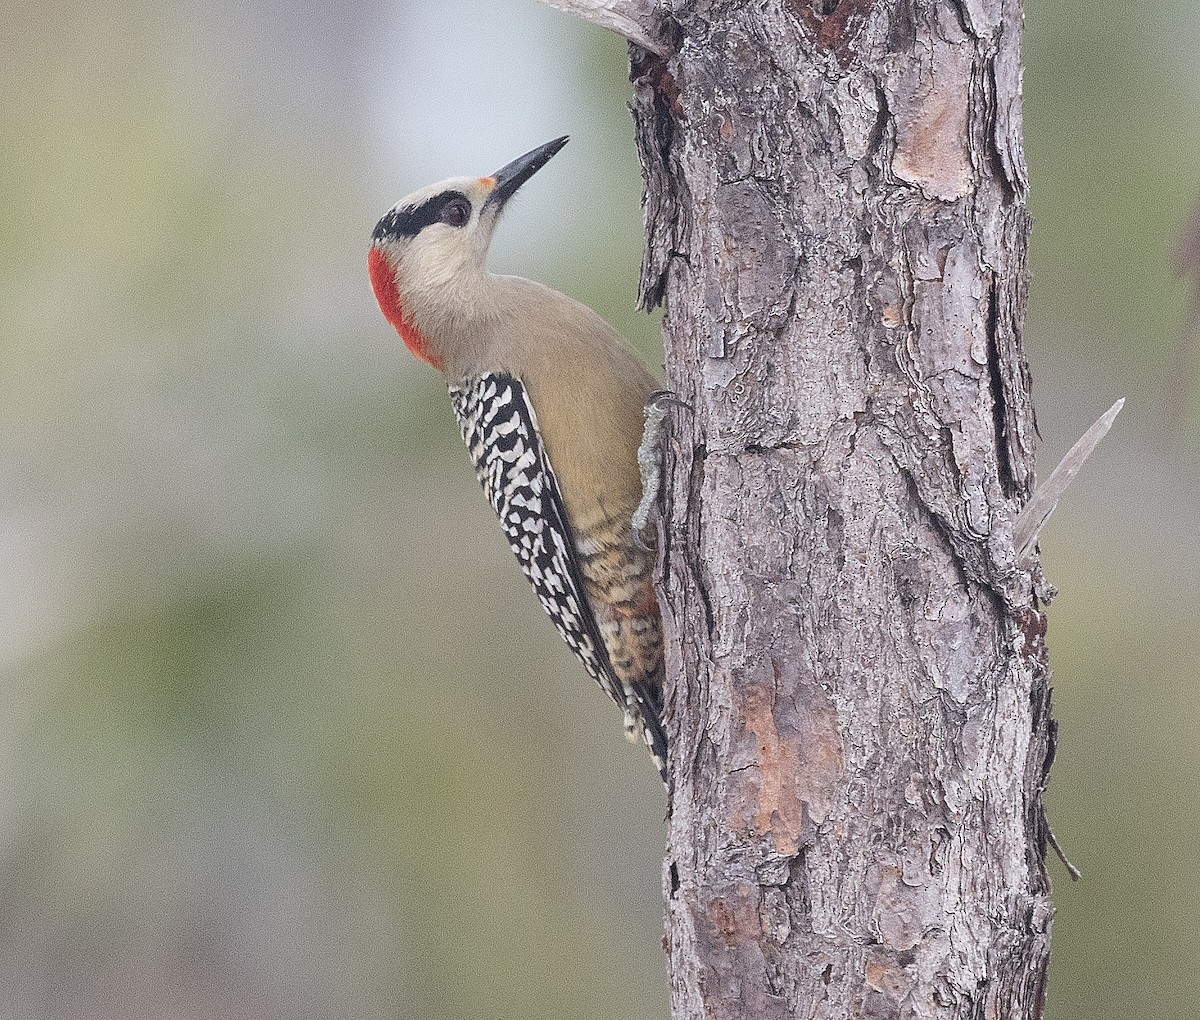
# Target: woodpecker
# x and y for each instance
(550, 401)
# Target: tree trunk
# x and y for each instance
(859, 701)
(860, 714)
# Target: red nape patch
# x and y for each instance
(383, 282)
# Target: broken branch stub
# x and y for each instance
(1034, 515)
(636, 20)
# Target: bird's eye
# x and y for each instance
(456, 212)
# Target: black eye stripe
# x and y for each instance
(409, 222)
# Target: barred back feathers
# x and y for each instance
(500, 430)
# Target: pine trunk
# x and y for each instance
(859, 701)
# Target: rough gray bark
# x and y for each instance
(859, 707)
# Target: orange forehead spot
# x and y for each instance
(488, 182)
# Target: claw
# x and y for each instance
(659, 397)
(650, 458)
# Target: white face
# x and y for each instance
(428, 252)
(438, 237)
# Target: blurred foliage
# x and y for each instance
(283, 731)
(1112, 124)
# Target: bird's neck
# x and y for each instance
(395, 310)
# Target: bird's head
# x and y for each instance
(428, 251)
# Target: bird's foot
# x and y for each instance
(650, 456)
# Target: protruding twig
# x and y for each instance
(1073, 871)
(636, 20)
(1037, 511)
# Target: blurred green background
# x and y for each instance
(283, 733)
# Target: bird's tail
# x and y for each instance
(643, 716)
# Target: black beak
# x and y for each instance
(511, 176)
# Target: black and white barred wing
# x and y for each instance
(500, 430)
